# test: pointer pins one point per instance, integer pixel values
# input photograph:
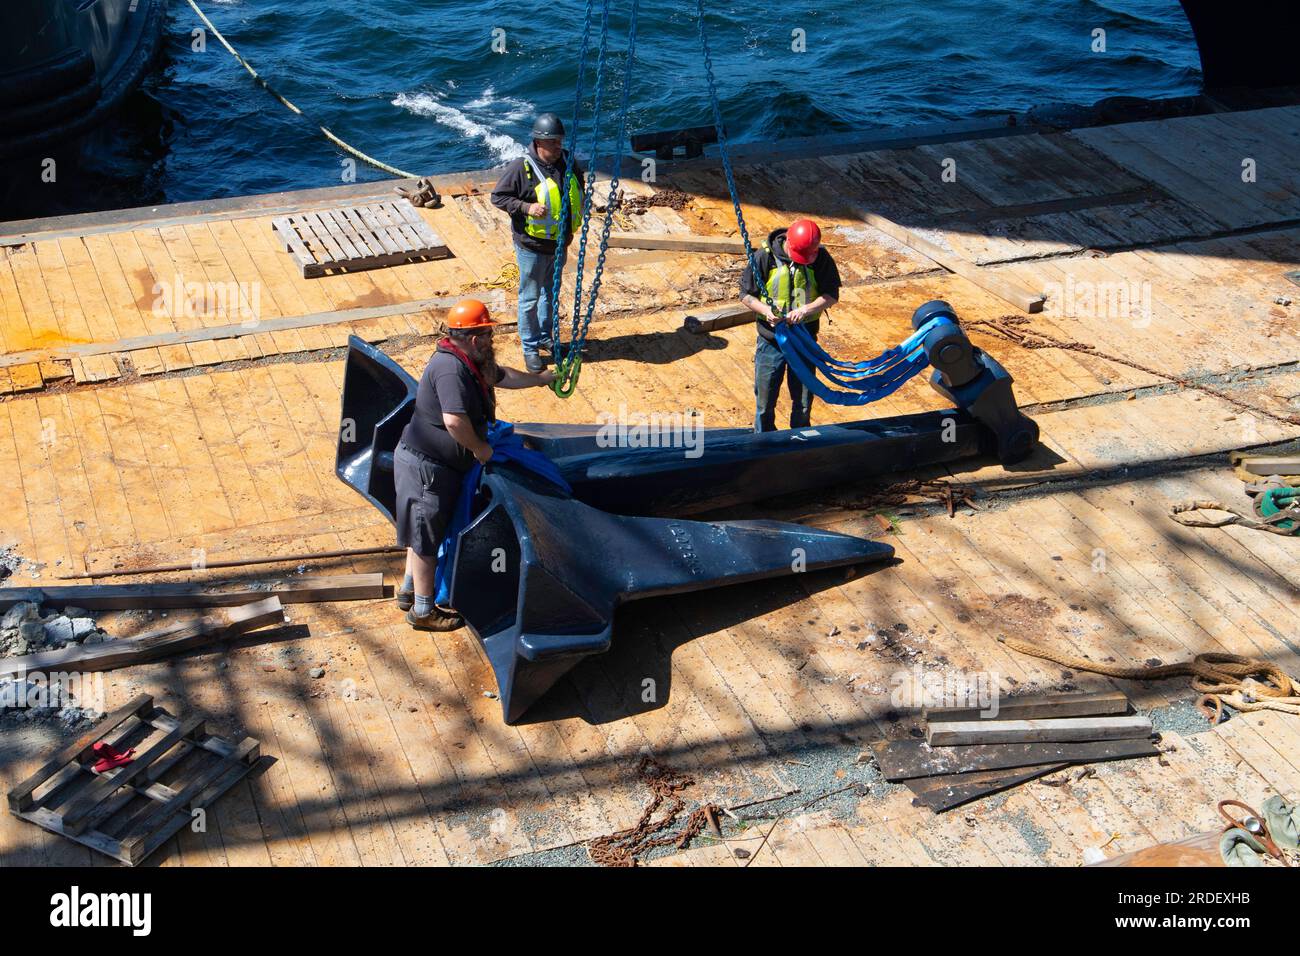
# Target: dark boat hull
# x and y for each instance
(67, 68)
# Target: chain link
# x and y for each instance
(726, 163)
(666, 786)
(568, 362)
(587, 190)
(1013, 329)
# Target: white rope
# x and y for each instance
(267, 86)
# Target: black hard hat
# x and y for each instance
(548, 126)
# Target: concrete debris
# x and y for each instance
(23, 630)
(28, 700)
(22, 611)
(13, 563)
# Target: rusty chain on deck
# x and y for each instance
(1012, 329)
(666, 785)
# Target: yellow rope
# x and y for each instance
(267, 86)
(1244, 683)
(507, 278)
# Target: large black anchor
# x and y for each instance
(538, 574)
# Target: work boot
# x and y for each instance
(405, 600)
(435, 620)
(534, 363)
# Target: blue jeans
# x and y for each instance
(536, 310)
(769, 366)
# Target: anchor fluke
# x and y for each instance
(539, 575)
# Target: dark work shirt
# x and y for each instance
(517, 190)
(447, 385)
(824, 271)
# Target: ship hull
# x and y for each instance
(68, 67)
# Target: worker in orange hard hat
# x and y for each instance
(454, 402)
(802, 282)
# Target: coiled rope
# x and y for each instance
(1187, 513)
(1244, 683)
(346, 147)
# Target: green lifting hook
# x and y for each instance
(567, 370)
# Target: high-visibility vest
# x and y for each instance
(548, 194)
(789, 281)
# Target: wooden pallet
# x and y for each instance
(358, 237)
(130, 811)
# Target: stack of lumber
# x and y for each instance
(968, 753)
(235, 611)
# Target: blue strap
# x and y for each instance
(506, 446)
(801, 341)
(865, 382)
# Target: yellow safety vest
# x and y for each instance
(548, 194)
(786, 276)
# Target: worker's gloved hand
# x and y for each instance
(485, 456)
(1283, 821)
(1238, 847)
(795, 316)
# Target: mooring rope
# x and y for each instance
(346, 147)
(1244, 683)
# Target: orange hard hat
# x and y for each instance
(802, 241)
(470, 314)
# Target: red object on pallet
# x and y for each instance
(110, 757)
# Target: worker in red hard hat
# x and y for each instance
(802, 282)
(454, 402)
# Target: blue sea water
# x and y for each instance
(418, 84)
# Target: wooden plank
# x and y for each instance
(399, 228)
(720, 245)
(293, 244)
(86, 809)
(352, 251)
(235, 771)
(1021, 708)
(1045, 207)
(214, 333)
(343, 587)
(164, 642)
(908, 759)
(20, 797)
(944, 793)
(26, 378)
(1021, 298)
(320, 232)
(958, 733)
(179, 801)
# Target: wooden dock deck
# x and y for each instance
(132, 435)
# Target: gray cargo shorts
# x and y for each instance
(427, 491)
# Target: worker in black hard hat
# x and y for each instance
(532, 190)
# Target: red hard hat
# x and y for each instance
(802, 241)
(470, 314)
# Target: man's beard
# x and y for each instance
(486, 359)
